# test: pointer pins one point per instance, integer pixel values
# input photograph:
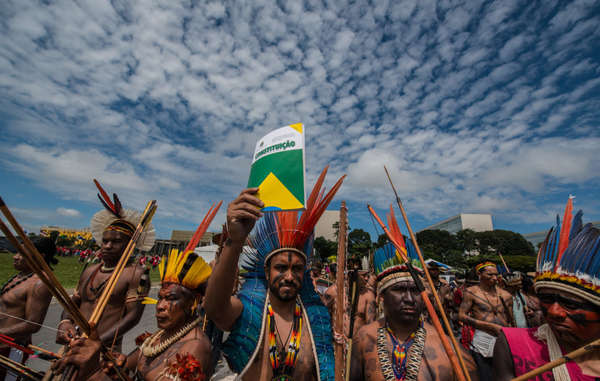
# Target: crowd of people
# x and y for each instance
(262, 291)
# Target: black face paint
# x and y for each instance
(579, 318)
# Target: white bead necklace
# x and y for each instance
(150, 349)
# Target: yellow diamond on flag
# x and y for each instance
(274, 191)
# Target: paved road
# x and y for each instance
(45, 338)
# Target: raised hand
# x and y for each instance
(242, 214)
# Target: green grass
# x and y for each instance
(67, 270)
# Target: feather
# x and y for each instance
(105, 199)
(577, 224)
(149, 300)
(287, 228)
(118, 206)
(565, 229)
(206, 221)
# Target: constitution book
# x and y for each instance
(278, 169)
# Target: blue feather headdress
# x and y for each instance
(287, 231)
(390, 268)
(569, 258)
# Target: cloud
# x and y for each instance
(67, 212)
(468, 104)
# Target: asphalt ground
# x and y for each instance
(46, 337)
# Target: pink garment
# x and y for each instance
(529, 353)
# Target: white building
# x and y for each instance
(324, 228)
(475, 222)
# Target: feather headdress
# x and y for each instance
(186, 267)
(388, 261)
(569, 257)
(289, 230)
(114, 217)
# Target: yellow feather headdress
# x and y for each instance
(186, 267)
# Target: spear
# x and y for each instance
(438, 302)
(21, 369)
(594, 345)
(339, 281)
(423, 292)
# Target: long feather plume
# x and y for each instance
(565, 229)
(105, 199)
(288, 228)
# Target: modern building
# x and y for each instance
(538, 237)
(179, 240)
(186, 236)
(324, 228)
(475, 222)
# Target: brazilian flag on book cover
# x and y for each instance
(278, 168)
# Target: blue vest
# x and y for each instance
(242, 342)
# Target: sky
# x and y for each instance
(474, 107)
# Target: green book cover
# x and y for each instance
(278, 168)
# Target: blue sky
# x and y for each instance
(474, 106)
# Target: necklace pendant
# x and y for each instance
(282, 377)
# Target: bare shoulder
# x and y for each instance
(504, 294)
(472, 290)
(195, 342)
(90, 270)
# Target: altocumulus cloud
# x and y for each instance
(67, 212)
(476, 106)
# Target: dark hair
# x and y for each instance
(47, 248)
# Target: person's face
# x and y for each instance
(19, 263)
(514, 287)
(174, 307)
(285, 272)
(113, 244)
(434, 272)
(364, 275)
(402, 301)
(489, 276)
(574, 320)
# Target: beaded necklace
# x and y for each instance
(19, 281)
(282, 372)
(400, 351)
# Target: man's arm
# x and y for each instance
(371, 309)
(356, 365)
(66, 327)
(220, 306)
(466, 306)
(38, 300)
(504, 369)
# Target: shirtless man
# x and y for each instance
(265, 317)
(113, 229)
(24, 301)
(487, 308)
(402, 325)
(565, 284)
(177, 319)
(366, 307)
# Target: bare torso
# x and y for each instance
(435, 364)
(123, 299)
(492, 307)
(366, 310)
(25, 299)
(305, 370)
(195, 343)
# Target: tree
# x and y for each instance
(465, 240)
(436, 244)
(382, 240)
(359, 243)
(325, 248)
